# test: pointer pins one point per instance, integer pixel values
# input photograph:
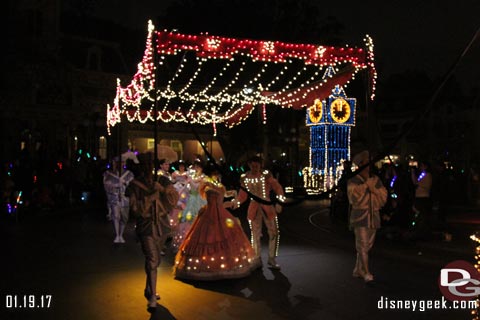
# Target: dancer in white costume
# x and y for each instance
(181, 183)
(115, 181)
(260, 182)
(367, 196)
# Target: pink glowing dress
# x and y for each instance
(215, 246)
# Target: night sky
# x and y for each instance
(427, 35)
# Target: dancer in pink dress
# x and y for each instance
(194, 203)
(216, 246)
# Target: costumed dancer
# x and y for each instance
(115, 183)
(194, 203)
(180, 176)
(367, 196)
(163, 172)
(149, 202)
(422, 206)
(181, 182)
(260, 183)
(215, 247)
(165, 180)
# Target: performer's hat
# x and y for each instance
(130, 155)
(361, 158)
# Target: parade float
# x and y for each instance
(212, 80)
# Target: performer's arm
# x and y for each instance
(356, 192)
(426, 182)
(128, 178)
(240, 198)
(379, 192)
(111, 183)
(278, 189)
(276, 186)
(133, 200)
(171, 195)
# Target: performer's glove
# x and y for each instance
(235, 204)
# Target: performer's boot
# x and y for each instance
(367, 276)
(150, 289)
(147, 292)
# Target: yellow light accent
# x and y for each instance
(229, 223)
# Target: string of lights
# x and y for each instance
(228, 77)
(476, 311)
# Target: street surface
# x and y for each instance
(69, 255)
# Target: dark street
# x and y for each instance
(70, 256)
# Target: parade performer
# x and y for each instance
(180, 176)
(367, 196)
(260, 183)
(149, 202)
(422, 206)
(194, 203)
(216, 246)
(181, 183)
(115, 183)
(165, 179)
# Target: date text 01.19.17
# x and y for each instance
(28, 301)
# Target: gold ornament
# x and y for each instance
(229, 222)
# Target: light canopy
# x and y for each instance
(207, 79)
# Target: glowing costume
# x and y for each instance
(216, 246)
(186, 216)
(181, 184)
(117, 202)
(260, 185)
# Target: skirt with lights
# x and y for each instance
(215, 247)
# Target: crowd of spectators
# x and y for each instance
(405, 216)
(36, 186)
